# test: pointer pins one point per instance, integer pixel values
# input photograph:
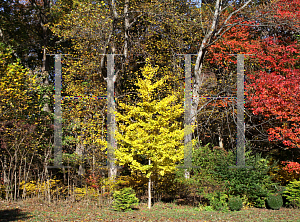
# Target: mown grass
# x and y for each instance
(38, 210)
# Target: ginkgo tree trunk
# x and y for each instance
(149, 136)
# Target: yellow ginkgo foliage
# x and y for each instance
(150, 138)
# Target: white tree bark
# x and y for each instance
(149, 190)
(127, 26)
(214, 33)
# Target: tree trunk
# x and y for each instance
(149, 190)
(45, 65)
(126, 27)
(220, 138)
(215, 32)
(79, 151)
(45, 75)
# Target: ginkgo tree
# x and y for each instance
(150, 137)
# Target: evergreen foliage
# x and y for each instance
(274, 201)
(235, 203)
(292, 193)
(125, 199)
(254, 183)
(217, 201)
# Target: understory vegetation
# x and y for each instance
(174, 110)
(215, 186)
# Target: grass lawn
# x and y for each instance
(38, 210)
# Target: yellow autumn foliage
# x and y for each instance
(36, 187)
(15, 85)
(150, 129)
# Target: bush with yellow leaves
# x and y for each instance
(33, 188)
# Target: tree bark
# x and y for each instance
(149, 190)
(126, 27)
(215, 32)
(43, 21)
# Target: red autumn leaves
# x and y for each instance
(273, 86)
(274, 89)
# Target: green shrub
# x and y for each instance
(208, 159)
(209, 208)
(235, 203)
(274, 201)
(254, 183)
(208, 183)
(217, 201)
(215, 175)
(292, 193)
(125, 199)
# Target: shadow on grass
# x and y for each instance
(13, 215)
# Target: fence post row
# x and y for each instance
(111, 123)
(240, 146)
